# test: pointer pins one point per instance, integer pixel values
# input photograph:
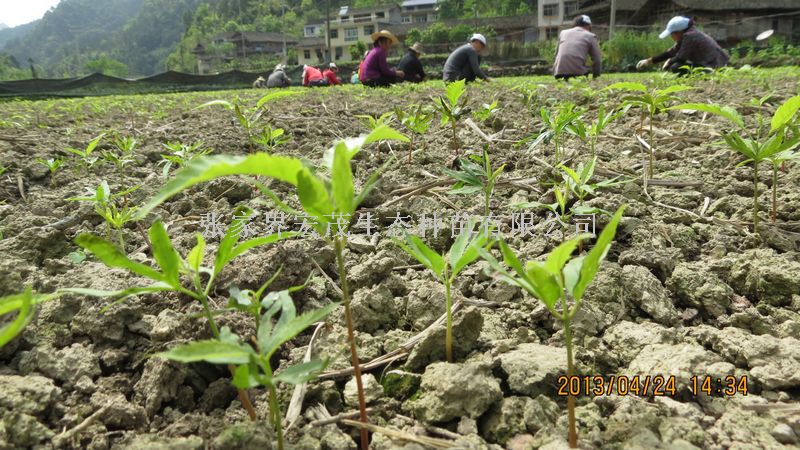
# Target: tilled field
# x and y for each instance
(688, 296)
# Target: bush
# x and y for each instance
(625, 48)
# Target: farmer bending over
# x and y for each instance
(574, 45)
(330, 75)
(312, 77)
(259, 83)
(278, 78)
(411, 65)
(692, 48)
(465, 61)
(375, 71)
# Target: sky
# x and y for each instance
(18, 12)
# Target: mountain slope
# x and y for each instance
(67, 36)
(7, 34)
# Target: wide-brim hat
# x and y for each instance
(384, 33)
(417, 48)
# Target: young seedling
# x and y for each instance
(87, 159)
(592, 132)
(123, 155)
(759, 151)
(248, 118)
(105, 205)
(125, 144)
(417, 123)
(559, 208)
(24, 304)
(328, 203)
(476, 175)
(774, 147)
(52, 164)
(375, 122)
(578, 182)
(180, 154)
(176, 273)
(555, 282)
(452, 107)
(554, 126)
(486, 112)
(253, 366)
(651, 102)
(271, 137)
(447, 267)
(778, 160)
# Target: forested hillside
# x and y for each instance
(142, 37)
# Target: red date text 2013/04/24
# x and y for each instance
(658, 385)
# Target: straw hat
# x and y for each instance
(417, 48)
(384, 33)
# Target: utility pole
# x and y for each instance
(612, 19)
(328, 31)
(283, 19)
(241, 33)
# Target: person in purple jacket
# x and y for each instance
(376, 71)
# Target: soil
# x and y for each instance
(688, 290)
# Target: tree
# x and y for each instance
(107, 66)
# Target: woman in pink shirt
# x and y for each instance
(375, 71)
(313, 77)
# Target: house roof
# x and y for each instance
(736, 5)
(255, 36)
(370, 9)
(409, 3)
(312, 42)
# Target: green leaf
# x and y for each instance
(301, 373)
(224, 103)
(674, 89)
(592, 261)
(315, 199)
(275, 96)
(213, 351)
(424, 254)
(165, 254)
(112, 256)
(471, 253)
(14, 302)
(460, 244)
(561, 254)
(785, 113)
(546, 284)
(723, 111)
(240, 249)
(454, 91)
(123, 293)
(24, 304)
(385, 133)
(342, 179)
(207, 168)
(287, 331)
(226, 244)
(370, 184)
(737, 143)
(93, 144)
(627, 86)
(243, 379)
(196, 254)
